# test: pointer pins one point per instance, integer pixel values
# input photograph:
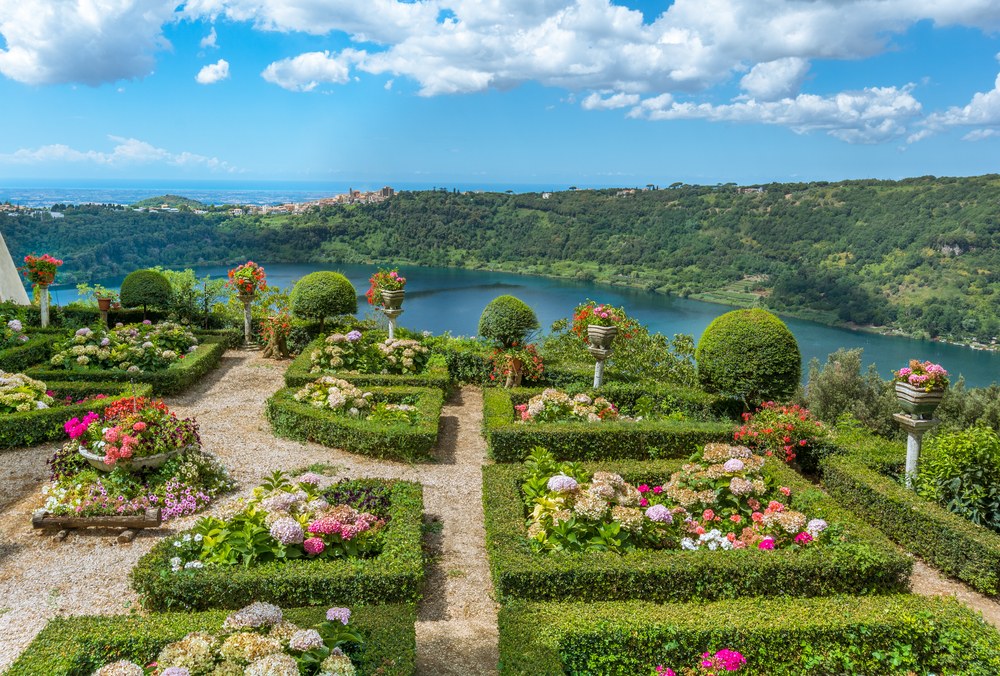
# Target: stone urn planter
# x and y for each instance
(392, 300)
(917, 402)
(147, 462)
(601, 337)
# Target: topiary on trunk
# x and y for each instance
(323, 294)
(507, 320)
(146, 289)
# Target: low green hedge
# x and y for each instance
(394, 576)
(180, 376)
(870, 564)
(35, 427)
(298, 374)
(36, 350)
(295, 420)
(883, 636)
(955, 545)
(511, 442)
(232, 338)
(76, 646)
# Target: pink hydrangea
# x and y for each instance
(660, 514)
(314, 546)
(766, 543)
(803, 538)
(730, 660)
(326, 526)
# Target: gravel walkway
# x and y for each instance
(41, 578)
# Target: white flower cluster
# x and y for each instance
(334, 394)
(713, 539)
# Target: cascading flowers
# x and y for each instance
(41, 269)
(247, 279)
(600, 314)
(384, 280)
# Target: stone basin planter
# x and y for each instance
(147, 462)
(601, 337)
(392, 300)
(918, 402)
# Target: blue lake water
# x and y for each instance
(446, 299)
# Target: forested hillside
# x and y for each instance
(920, 254)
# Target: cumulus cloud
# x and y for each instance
(213, 72)
(619, 100)
(210, 41)
(983, 111)
(126, 152)
(776, 79)
(306, 71)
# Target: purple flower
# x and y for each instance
(147, 322)
(733, 465)
(816, 526)
(15, 325)
(342, 614)
(310, 478)
(84, 332)
(105, 342)
(660, 514)
(175, 671)
(305, 639)
(561, 483)
(287, 531)
(353, 336)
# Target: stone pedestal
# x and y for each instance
(915, 429)
(43, 302)
(601, 355)
(391, 314)
(247, 300)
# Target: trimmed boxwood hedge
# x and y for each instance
(511, 442)
(298, 374)
(883, 635)
(177, 378)
(868, 565)
(954, 544)
(36, 350)
(71, 646)
(35, 427)
(394, 576)
(295, 420)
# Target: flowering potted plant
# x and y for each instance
(386, 289)
(105, 297)
(515, 364)
(137, 431)
(276, 329)
(247, 279)
(41, 270)
(920, 387)
(598, 324)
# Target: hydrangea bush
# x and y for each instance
(556, 406)
(335, 395)
(785, 428)
(925, 375)
(357, 352)
(256, 641)
(134, 348)
(340, 352)
(719, 501)
(19, 393)
(12, 334)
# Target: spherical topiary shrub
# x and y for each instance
(146, 289)
(319, 295)
(749, 354)
(507, 320)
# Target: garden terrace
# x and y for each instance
(79, 645)
(47, 424)
(894, 634)
(859, 479)
(511, 441)
(292, 419)
(395, 575)
(869, 564)
(298, 374)
(172, 380)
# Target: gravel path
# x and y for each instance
(41, 578)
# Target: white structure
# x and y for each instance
(11, 288)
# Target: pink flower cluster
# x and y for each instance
(725, 659)
(924, 375)
(75, 427)
(120, 445)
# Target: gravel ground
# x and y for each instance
(41, 578)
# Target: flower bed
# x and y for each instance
(136, 348)
(79, 645)
(511, 441)
(69, 400)
(857, 479)
(865, 564)
(895, 634)
(176, 378)
(356, 369)
(390, 571)
(383, 437)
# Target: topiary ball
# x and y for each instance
(323, 294)
(507, 320)
(145, 289)
(750, 355)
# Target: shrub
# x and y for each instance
(841, 388)
(750, 355)
(783, 429)
(145, 289)
(300, 372)
(779, 637)
(323, 294)
(78, 645)
(507, 320)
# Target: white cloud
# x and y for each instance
(982, 111)
(210, 41)
(214, 72)
(126, 152)
(306, 71)
(90, 42)
(778, 79)
(619, 100)
(874, 115)
(981, 134)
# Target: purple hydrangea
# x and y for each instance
(733, 465)
(287, 531)
(105, 342)
(147, 322)
(660, 514)
(342, 614)
(15, 325)
(310, 478)
(353, 336)
(305, 639)
(561, 483)
(84, 332)
(816, 526)
(175, 671)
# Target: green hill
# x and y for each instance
(173, 201)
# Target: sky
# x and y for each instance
(559, 92)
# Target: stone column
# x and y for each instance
(392, 314)
(915, 429)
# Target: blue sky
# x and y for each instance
(586, 92)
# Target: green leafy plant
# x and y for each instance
(507, 320)
(961, 471)
(323, 294)
(146, 289)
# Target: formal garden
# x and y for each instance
(217, 477)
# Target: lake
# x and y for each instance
(447, 299)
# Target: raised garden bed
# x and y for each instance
(298, 374)
(301, 421)
(78, 645)
(394, 575)
(868, 564)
